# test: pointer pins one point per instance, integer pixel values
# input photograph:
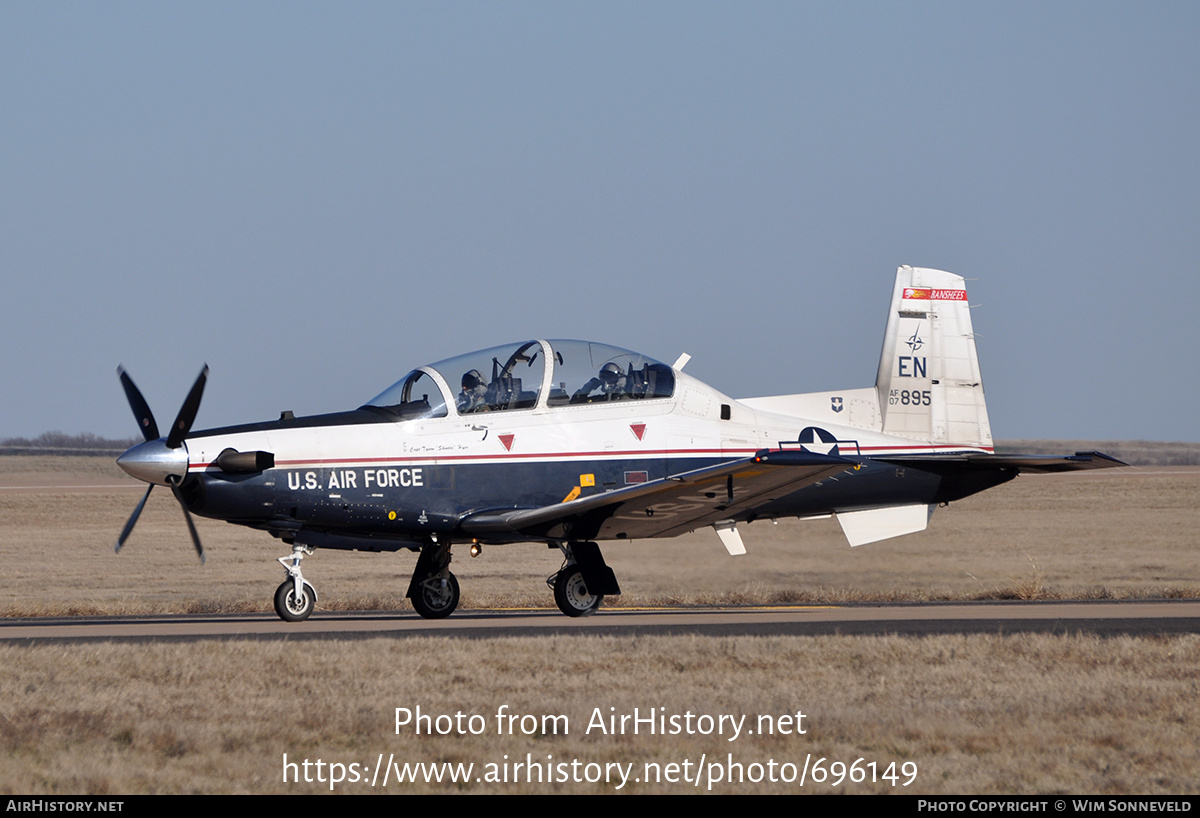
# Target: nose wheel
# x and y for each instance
(295, 598)
(290, 607)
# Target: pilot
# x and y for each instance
(472, 397)
(609, 384)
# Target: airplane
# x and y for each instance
(570, 443)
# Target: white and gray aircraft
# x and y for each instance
(574, 442)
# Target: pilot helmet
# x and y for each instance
(610, 373)
(471, 380)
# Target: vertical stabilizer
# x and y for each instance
(929, 384)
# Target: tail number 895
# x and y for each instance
(910, 397)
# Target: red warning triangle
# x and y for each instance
(507, 440)
(638, 429)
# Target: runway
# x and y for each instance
(1103, 618)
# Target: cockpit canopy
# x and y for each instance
(524, 376)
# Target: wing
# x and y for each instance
(665, 508)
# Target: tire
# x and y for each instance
(571, 594)
(435, 600)
(286, 605)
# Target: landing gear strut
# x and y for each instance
(295, 598)
(433, 589)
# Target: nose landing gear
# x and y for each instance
(295, 598)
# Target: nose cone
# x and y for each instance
(153, 462)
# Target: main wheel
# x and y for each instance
(571, 594)
(437, 597)
(291, 609)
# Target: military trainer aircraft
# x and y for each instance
(573, 442)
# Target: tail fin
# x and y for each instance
(928, 384)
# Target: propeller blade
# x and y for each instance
(187, 515)
(187, 414)
(133, 518)
(141, 409)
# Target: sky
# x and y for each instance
(315, 198)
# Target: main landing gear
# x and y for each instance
(433, 589)
(583, 581)
(571, 594)
(295, 598)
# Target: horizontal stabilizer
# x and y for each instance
(1026, 463)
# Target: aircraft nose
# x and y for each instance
(154, 462)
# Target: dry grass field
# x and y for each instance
(975, 714)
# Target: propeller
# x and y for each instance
(141, 409)
(158, 460)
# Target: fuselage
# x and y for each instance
(379, 476)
